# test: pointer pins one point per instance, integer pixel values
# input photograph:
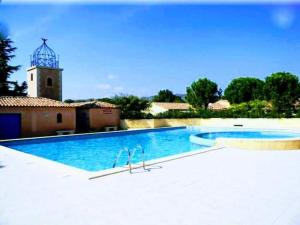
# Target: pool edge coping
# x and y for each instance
(67, 170)
(223, 141)
(154, 162)
(90, 134)
(252, 139)
(71, 170)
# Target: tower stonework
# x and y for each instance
(44, 76)
(45, 82)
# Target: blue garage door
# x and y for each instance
(10, 126)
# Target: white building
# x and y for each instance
(160, 107)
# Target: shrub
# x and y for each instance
(252, 109)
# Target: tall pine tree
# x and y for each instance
(7, 87)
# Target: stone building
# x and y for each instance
(42, 112)
(160, 107)
(96, 115)
(34, 116)
(44, 77)
(219, 105)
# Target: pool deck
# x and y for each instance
(223, 187)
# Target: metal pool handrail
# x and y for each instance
(139, 147)
(119, 155)
(130, 156)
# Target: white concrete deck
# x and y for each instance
(224, 187)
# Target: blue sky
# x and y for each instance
(140, 49)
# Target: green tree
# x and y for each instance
(283, 90)
(19, 90)
(69, 101)
(131, 106)
(244, 89)
(202, 92)
(6, 54)
(166, 96)
(109, 100)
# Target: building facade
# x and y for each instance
(160, 107)
(95, 116)
(219, 105)
(42, 112)
(31, 116)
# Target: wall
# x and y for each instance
(176, 122)
(38, 121)
(153, 123)
(100, 118)
(39, 88)
(253, 123)
(214, 122)
(32, 84)
(54, 92)
(136, 124)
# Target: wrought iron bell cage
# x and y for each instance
(44, 56)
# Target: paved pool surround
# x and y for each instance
(224, 187)
(250, 143)
(259, 144)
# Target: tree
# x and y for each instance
(69, 101)
(202, 92)
(19, 90)
(166, 96)
(109, 100)
(131, 106)
(244, 89)
(283, 90)
(6, 54)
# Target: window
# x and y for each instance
(31, 77)
(49, 82)
(59, 118)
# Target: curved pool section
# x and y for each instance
(254, 139)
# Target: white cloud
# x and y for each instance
(109, 90)
(118, 89)
(104, 87)
(112, 77)
(283, 17)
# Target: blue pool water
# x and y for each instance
(249, 134)
(98, 152)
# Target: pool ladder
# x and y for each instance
(130, 156)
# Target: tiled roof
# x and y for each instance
(173, 105)
(12, 101)
(94, 104)
(219, 105)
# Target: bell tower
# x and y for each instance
(44, 76)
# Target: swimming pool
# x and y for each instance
(249, 139)
(96, 152)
